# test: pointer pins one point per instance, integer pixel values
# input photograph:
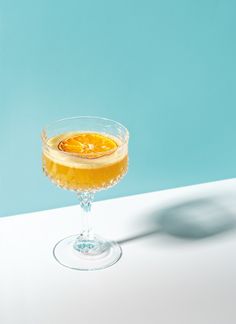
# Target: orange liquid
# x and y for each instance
(81, 174)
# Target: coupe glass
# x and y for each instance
(85, 175)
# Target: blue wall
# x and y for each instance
(166, 69)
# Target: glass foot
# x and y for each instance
(77, 252)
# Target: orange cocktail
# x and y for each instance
(85, 161)
(85, 154)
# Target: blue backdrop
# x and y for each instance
(166, 69)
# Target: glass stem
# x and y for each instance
(86, 199)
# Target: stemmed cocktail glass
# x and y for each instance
(85, 154)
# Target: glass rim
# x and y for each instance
(45, 128)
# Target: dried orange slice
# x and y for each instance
(88, 145)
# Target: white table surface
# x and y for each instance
(184, 272)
